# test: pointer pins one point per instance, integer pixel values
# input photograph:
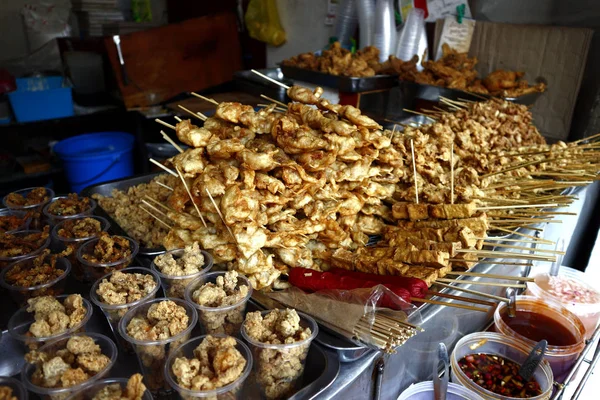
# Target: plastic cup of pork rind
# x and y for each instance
(93, 271)
(226, 319)
(114, 312)
(6, 260)
(107, 347)
(18, 390)
(60, 243)
(55, 219)
(22, 215)
(19, 323)
(174, 285)
(278, 368)
(152, 354)
(35, 209)
(90, 391)
(234, 390)
(54, 287)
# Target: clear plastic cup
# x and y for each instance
(93, 271)
(21, 294)
(18, 390)
(232, 391)
(35, 209)
(588, 312)
(19, 323)
(107, 347)
(278, 368)
(55, 219)
(152, 354)
(90, 391)
(561, 358)
(114, 312)
(173, 285)
(424, 391)
(7, 212)
(6, 261)
(226, 319)
(504, 346)
(60, 243)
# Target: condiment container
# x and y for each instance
(424, 391)
(91, 390)
(234, 390)
(60, 243)
(225, 319)
(584, 301)
(19, 323)
(114, 312)
(271, 359)
(7, 212)
(107, 347)
(93, 271)
(174, 285)
(6, 261)
(18, 390)
(35, 209)
(504, 346)
(560, 358)
(21, 294)
(55, 219)
(152, 354)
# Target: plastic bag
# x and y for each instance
(357, 314)
(46, 20)
(262, 21)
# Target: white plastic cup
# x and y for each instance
(55, 219)
(384, 37)
(35, 209)
(424, 391)
(7, 212)
(408, 40)
(6, 261)
(90, 391)
(346, 22)
(93, 271)
(174, 285)
(18, 390)
(366, 22)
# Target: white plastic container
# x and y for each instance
(424, 391)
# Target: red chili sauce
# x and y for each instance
(538, 327)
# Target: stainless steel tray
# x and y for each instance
(342, 83)
(105, 189)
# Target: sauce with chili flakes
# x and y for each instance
(536, 327)
(499, 375)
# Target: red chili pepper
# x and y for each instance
(416, 287)
(312, 281)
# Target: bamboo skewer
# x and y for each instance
(160, 121)
(205, 98)
(481, 260)
(508, 254)
(511, 285)
(443, 303)
(168, 139)
(418, 113)
(155, 208)
(526, 221)
(187, 189)
(156, 218)
(459, 298)
(452, 173)
(508, 240)
(274, 101)
(177, 118)
(165, 186)
(493, 276)
(525, 235)
(471, 291)
(508, 246)
(517, 206)
(200, 116)
(270, 79)
(153, 161)
(414, 164)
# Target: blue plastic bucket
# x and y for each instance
(96, 157)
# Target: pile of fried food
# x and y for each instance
(456, 70)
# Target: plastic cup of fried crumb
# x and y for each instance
(18, 390)
(89, 392)
(21, 294)
(114, 312)
(152, 354)
(36, 209)
(234, 390)
(226, 319)
(7, 212)
(93, 271)
(173, 285)
(55, 219)
(6, 261)
(60, 243)
(107, 347)
(19, 323)
(270, 359)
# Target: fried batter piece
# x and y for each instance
(162, 321)
(51, 317)
(133, 391)
(109, 249)
(125, 288)
(191, 262)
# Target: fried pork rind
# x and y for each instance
(52, 317)
(21, 244)
(70, 205)
(6, 393)
(124, 288)
(37, 196)
(188, 262)
(134, 390)
(80, 228)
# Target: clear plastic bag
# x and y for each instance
(262, 22)
(46, 20)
